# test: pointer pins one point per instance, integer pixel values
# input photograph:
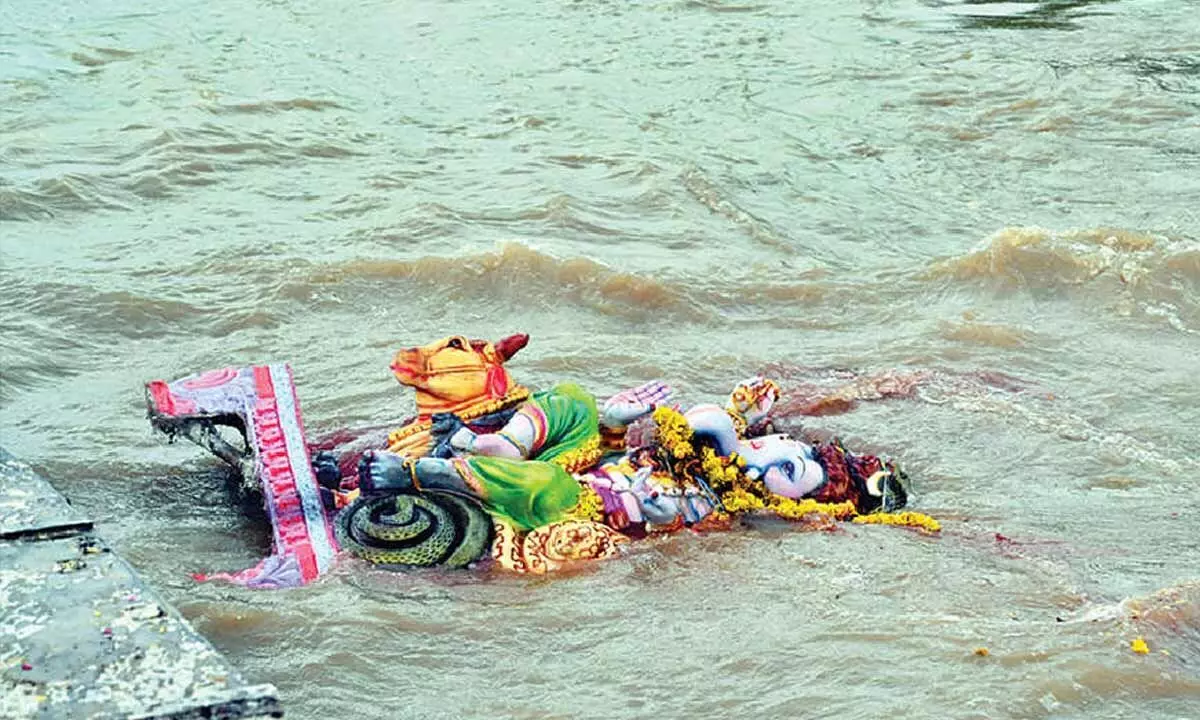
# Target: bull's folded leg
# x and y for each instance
(385, 472)
(261, 402)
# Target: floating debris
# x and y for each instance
(70, 565)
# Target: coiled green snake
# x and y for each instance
(417, 529)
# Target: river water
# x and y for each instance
(981, 221)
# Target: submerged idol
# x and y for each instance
(489, 469)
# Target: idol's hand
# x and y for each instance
(625, 407)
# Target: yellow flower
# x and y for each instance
(589, 507)
(671, 422)
(796, 509)
(582, 457)
(907, 518)
(738, 500)
(1139, 646)
(673, 433)
(680, 450)
(720, 472)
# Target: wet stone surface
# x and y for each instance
(82, 636)
(30, 506)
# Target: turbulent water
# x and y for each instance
(978, 224)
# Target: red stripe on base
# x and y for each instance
(281, 485)
(263, 384)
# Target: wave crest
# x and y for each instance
(1131, 272)
(516, 273)
(1035, 257)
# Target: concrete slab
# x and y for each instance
(82, 636)
(30, 506)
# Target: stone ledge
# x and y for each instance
(81, 635)
(30, 506)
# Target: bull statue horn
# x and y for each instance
(509, 346)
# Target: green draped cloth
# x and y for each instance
(535, 492)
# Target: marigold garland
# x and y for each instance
(674, 434)
(797, 509)
(582, 457)
(721, 472)
(589, 506)
(738, 500)
(906, 518)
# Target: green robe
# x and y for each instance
(535, 492)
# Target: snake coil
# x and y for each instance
(416, 529)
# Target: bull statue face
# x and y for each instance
(456, 372)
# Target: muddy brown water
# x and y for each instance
(978, 219)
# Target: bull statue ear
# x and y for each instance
(753, 473)
(487, 351)
(497, 381)
(510, 345)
